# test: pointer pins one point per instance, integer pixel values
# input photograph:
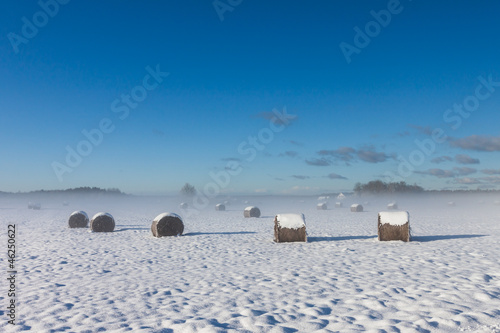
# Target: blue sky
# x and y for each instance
(355, 118)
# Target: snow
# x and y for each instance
(394, 218)
(101, 214)
(159, 217)
(291, 221)
(250, 208)
(78, 212)
(225, 274)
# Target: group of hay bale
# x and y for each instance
(100, 222)
(393, 225)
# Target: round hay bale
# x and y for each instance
(356, 208)
(220, 207)
(392, 206)
(183, 205)
(167, 224)
(102, 222)
(251, 211)
(338, 205)
(321, 206)
(78, 219)
(37, 206)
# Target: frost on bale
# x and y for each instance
(356, 208)
(220, 207)
(78, 219)
(394, 226)
(321, 206)
(290, 228)
(102, 222)
(392, 206)
(251, 211)
(167, 224)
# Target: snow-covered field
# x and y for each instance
(225, 274)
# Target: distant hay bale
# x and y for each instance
(394, 226)
(321, 206)
(78, 219)
(392, 206)
(30, 205)
(102, 222)
(37, 206)
(220, 207)
(251, 211)
(183, 205)
(356, 208)
(167, 224)
(338, 205)
(496, 202)
(290, 228)
(451, 203)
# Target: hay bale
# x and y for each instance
(321, 206)
(356, 208)
(290, 228)
(451, 203)
(392, 206)
(30, 205)
(496, 202)
(37, 206)
(338, 205)
(394, 226)
(251, 211)
(102, 222)
(167, 224)
(183, 205)
(220, 207)
(78, 219)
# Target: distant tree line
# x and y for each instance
(78, 190)
(380, 187)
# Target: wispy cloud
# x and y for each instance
(296, 143)
(467, 181)
(466, 159)
(335, 176)
(289, 153)
(318, 162)
(348, 154)
(302, 177)
(464, 171)
(477, 143)
(440, 173)
(285, 119)
(441, 159)
(427, 130)
(231, 159)
(491, 171)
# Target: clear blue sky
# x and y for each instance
(354, 120)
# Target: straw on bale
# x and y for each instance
(394, 226)
(338, 205)
(220, 207)
(356, 208)
(167, 224)
(183, 205)
(102, 222)
(251, 211)
(78, 219)
(392, 206)
(290, 228)
(321, 206)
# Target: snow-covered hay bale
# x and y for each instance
(321, 206)
(338, 205)
(356, 208)
(167, 224)
(35, 206)
(183, 205)
(251, 211)
(102, 222)
(392, 206)
(220, 207)
(30, 205)
(78, 219)
(451, 203)
(290, 228)
(394, 226)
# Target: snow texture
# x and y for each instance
(291, 221)
(226, 274)
(394, 218)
